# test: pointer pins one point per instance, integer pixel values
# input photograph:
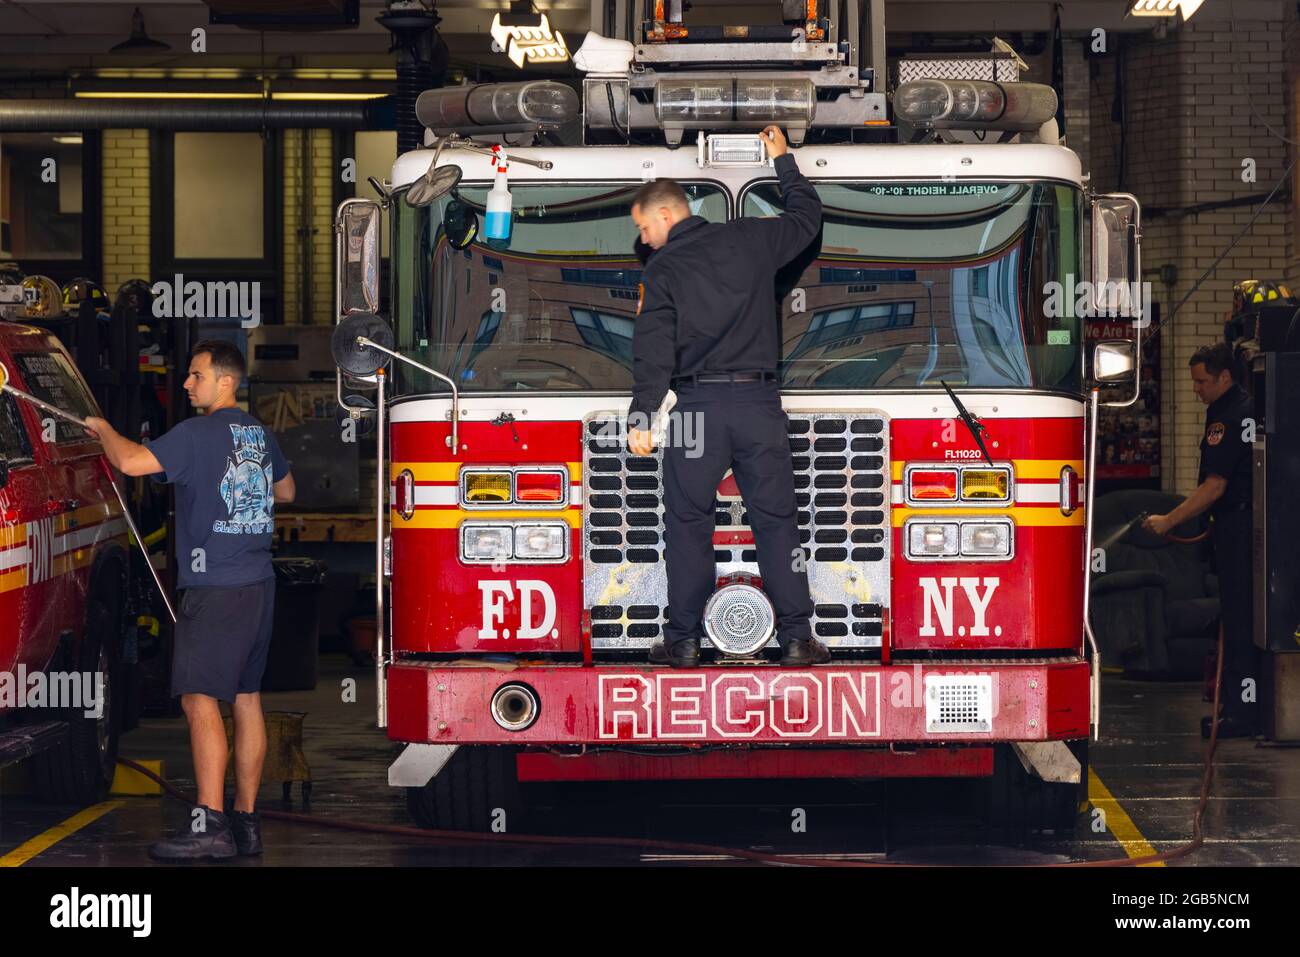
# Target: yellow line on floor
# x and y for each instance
(23, 853)
(1118, 822)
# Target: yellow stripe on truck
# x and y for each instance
(453, 517)
(13, 535)
(450, 471)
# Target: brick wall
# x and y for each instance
(320, 308)
(1291, 76)
(126, 207)
(1198, 102)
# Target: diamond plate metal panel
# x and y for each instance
(998, 69)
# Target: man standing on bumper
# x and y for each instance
(707, 328)
(229, 473)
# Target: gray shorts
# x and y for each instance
(222, 637)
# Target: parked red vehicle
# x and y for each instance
(64, 579)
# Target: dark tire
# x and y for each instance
(80, 770)
(466, 793)
(1021, 804)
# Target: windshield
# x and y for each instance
(914, 284)
(907, 285)
(552, 308)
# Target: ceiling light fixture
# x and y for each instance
(525, 35)
(139, 39)
(1164, 8)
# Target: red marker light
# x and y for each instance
(933, 484)
(539, 487)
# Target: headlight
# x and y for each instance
(932, 539)
(540, 542)
(986, 540)
(486, 543)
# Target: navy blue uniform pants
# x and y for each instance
(1231, 534)
(741, 426)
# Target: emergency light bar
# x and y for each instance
(974, 104)
(729, 85)
(495, 105)
(705, 102)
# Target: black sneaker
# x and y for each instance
(247, 828)
(216, 842)
(682, 654)
(810, 652)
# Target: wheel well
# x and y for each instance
(109, 581)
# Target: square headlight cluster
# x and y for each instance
(937, 540)
(513, 543)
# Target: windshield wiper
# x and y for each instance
(972, 422)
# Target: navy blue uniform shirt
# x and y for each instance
(1224, 449)
(223, 466)
(709, 299)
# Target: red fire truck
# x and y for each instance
(940, 418)
(64, 579)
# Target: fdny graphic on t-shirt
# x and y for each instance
(246, 485)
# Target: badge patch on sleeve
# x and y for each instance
(1214, 434)
(640, 296)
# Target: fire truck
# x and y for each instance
(940, 416)
(65, 577)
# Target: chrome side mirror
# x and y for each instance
(1117, 288)
(1116, 256)
(357, 260)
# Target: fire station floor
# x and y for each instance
(1147, 774)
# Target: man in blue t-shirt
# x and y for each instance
(229, 473)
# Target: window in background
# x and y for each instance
(376, 152)
(217, 196)
(41, 196)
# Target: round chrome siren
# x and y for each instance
(515, 707)
(739, 619)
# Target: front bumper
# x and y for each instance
(967, 702)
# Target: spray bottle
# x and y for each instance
(499, 201)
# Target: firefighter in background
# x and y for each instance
(707, 329)
(1225, 491)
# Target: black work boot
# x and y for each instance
(247, 828)
(684, 653)
(811, 652)
(216, 842)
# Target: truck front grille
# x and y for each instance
(841, 477)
